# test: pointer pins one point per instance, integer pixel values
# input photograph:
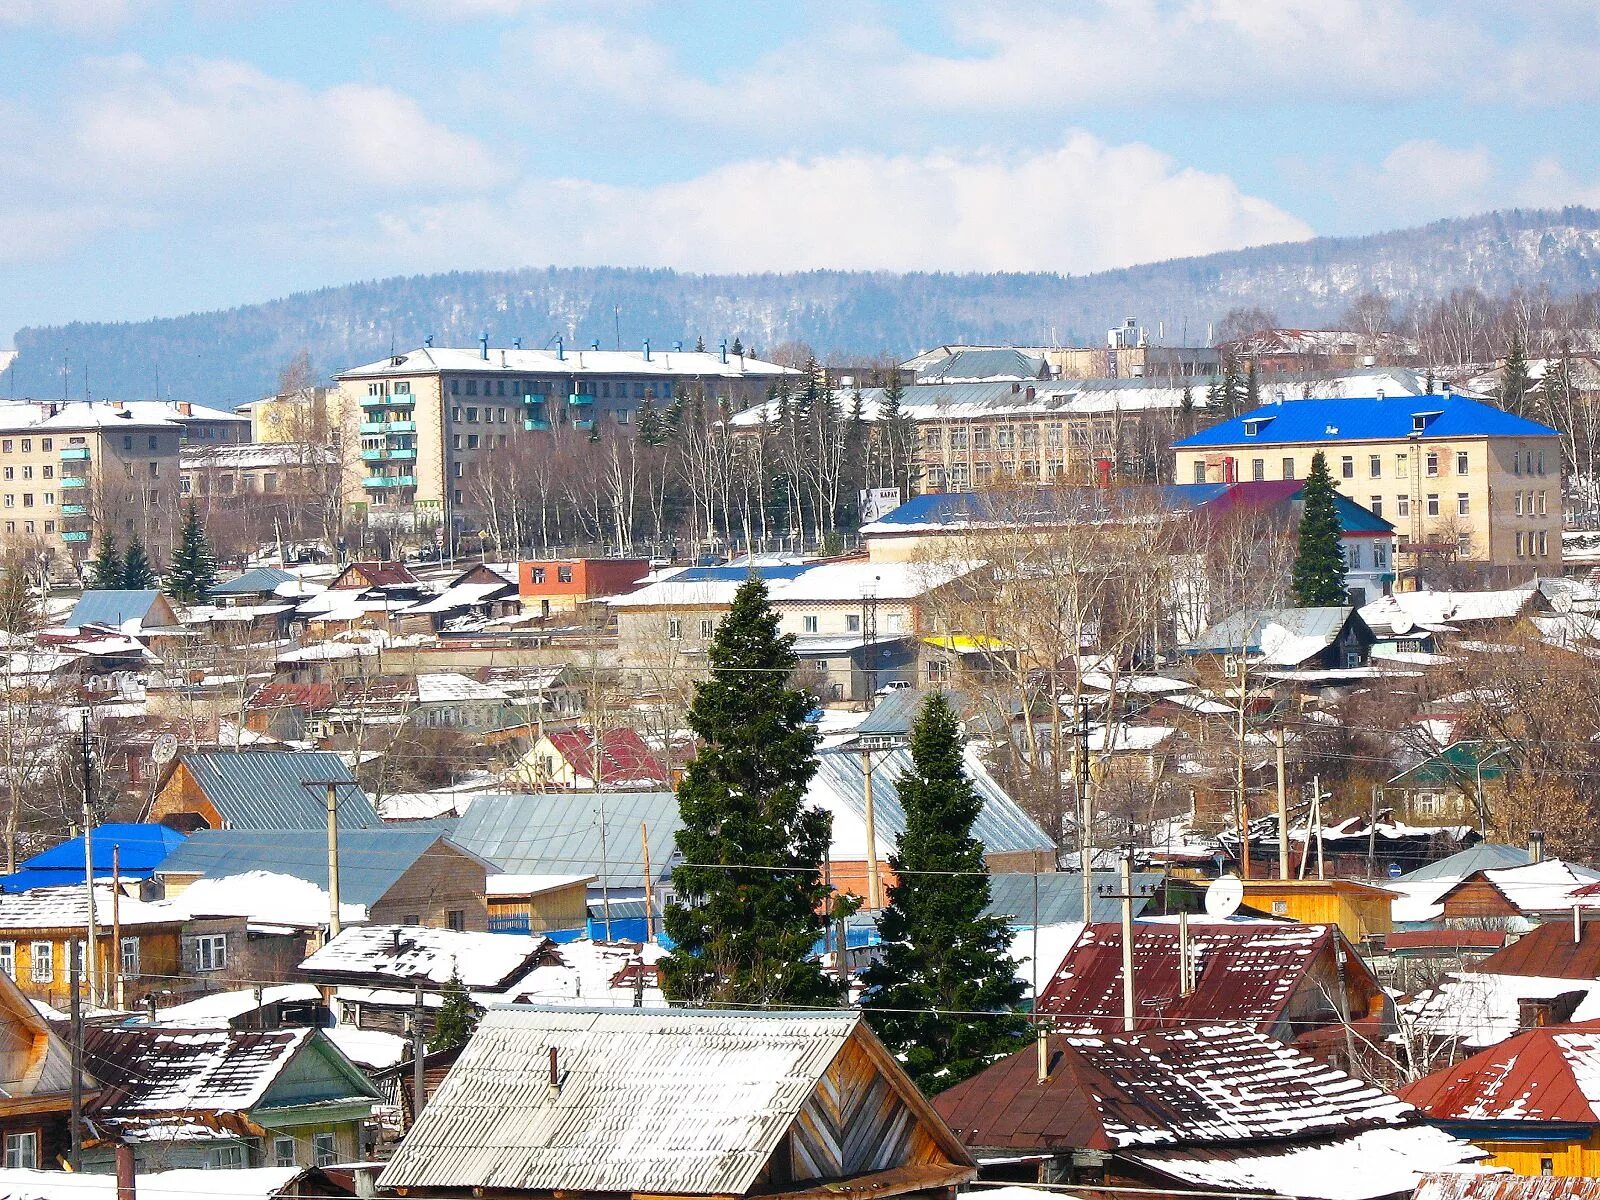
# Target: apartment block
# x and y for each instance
(420, 427)
(1458, 478)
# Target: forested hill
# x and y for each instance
(233, 356)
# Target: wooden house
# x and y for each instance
(1529, 1101)
(39, 928)
(566, 759)
(35, 1083)
(1358, 909)
(480, 593)
(260, 789)
(1537, 892)
(776, 1104)
(1146, 1111)
(538, 903)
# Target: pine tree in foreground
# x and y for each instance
(1318, 578)
(944, 995)
(458, 1016)
(193, 572)
(105, 569)
(137, 573)
(750, 905)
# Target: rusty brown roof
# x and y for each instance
(1549, 952)
(1460, 1185)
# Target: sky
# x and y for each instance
(163, 156)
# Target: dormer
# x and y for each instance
(1254, 425)
(1421, 420)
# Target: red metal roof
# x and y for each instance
(1545, 1074)
(374, 574)
(315, 697)
(1550, 952)
(625, 759)
(1245, 973)
(1453, 1185)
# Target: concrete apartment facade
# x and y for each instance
(1458, 478)
(419, 427)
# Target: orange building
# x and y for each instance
(562, 584)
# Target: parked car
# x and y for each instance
(895, 685)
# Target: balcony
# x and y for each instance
(74, 510)
(584, 424)
(536, 425)
(75, 535)
(388, 427)
(389, 481)
(75, 454)
(579, 399)
(74, 481)
(398, 400)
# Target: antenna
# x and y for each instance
(1224, 897)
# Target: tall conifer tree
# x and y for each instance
(193, 572)
(751, 902)
(105, 569)
(1318, 578)
(944, 996)
(137, 573)
(1516, 378)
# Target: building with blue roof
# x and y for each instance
(134, 851)
(1461, 480)
(130, 611)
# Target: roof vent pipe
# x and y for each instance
(516, 343)
(647, 349)
(1536, 845)
(678, 345)
(483, 345)
(595, 345)
(561, 349)
(1369, 360)
(724, 350)
(555, 1069)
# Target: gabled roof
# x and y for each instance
(1296, 422)
(313, 697)
(625, 759)
(275, 789)
(1060, 896)
(560, 834)
(1546, 886)
(389, 955)
(1198, 1084)
(1284, 636)
(374, 574)
(1457, 763)
(1484, 856)
(262, 580)
(980, 365)
(114, 608)
(67, 907)
(137, 848)
(1546, 1074)
(1550, 952)
(1246, 973)
(667, 1102)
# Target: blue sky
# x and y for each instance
(160, 156)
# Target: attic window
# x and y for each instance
(1420, 421)
(1256, 425)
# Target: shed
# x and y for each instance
(129, 611)
(713, 1103)
(1358, 909)
(538, 903)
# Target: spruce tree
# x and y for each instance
(1514, 381)
(1252, 389)
(943, 960)
(193, 572)
(1318, 578)
(137, 573)
(751, 902)
(105, 569)
(458, 1016)
(737, 347)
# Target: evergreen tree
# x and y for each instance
(105, 569)
(1318, 578)
(1252, 389)
(699, 345)
(1232, 386)
(137, 573)
(1515, 379)
(943, 959)
(458, 1016)
(193, 572)
(737, 347)
(19, 607)
(897, 439)
(751, 903)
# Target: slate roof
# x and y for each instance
(625, 759)
(68, 908)
(371, 861)
(111, 607)
(1485, 856)
(1245, 974)
(257, 580)
(1546, 1074)
(547, 834)
(981, 365)
(670, 1102)
(1060, 894)
(1295, 422)
(267, 789)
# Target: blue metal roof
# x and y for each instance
(1060, 896)
(267, 789)
(112, 607)
(1241, 631)
(1294, 422)
(548, 834)
(140, 849)
(257, 580)
(740, 574)
(1042, 505)
(1485, 856)
(371, 861)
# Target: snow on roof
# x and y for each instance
(370, 1049)
(666, 363)
(252, 1183)
(219, 1008)
(264, 896)
(446, 687)
(533, 885)
(814, 583)
(412, 953)
(1482, 1008)
(1546, 886)
(592, 973)
(233, 456)
(1405, 612)
(1551, 1073)
(68, 908)
(461, 595)
(150, 1069)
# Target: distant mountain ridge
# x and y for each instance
(232, 356)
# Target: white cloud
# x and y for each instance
(1082, 206)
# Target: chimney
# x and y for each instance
(428, 341)
(1029, 394)
(185, 408)
(647, 349)
(1369, 360)
(1227, 469)
(126, 1187)
(595, 345)
(1015, 388)
(1380, 393)
(724, 350)
(678, 346)
(516, 343)
(555, 1070)
(561, 349)
(483, 345)
(1043, 1043)
(1577, 924)
(502, 358)
(1536, 845)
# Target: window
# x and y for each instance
(1519, 504)
(6, 445)
(1463, 504)
(1547, 1166)
(472, 442)
(1280, 908)
(1347, 467)
(1402, 506)
(11, 472)
(130, 956)
(1519, 545)
(206, 951)
(1543, 506)
(1433, 463)
(456, 919)
(1402, 466)
(809, 623)
(49, 472)
(155, 442)
(27, 446)
(1427, 804)
(283, 1152)
(1375, 503)
(1543, 545)
(1433, 504)
(708, 629)
(44, 962)
(1463, 544)
(1516, 462)
(1353, 556)
(127, 441)
(1258, 469)
(538, 574)
(958, 439)
(980, 439)
(22, 1151)
(322, 1149)
(1002, 438)
(1030, 437)
(674, 628)
(931, 439)
(8, 959)
(1288, 469)
(1199, 472)
(563, 574)
(852, 623)
(1541, 462)
(1461, 462)
(1380, 555)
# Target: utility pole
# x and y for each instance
(76, 1061)
(86, 752)
(1085, 806)
(332, 796)
(419, 1058)
(1130, 999)
(1241, 670)
(119, 987)
(874, 896)
(1283, 811)
(649, 885)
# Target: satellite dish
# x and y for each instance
(1224, 897)
(164, 750)
(1402, 625)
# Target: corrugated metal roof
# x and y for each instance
(1060, 896)
(897, 712)
(267, 789)
(1547, 951)
(138, 848)
(1242, 630)
(371, 861)
(149, 1069)
(544, 834)
(1546, 1074)
(840, 783)
(1462, 1185)
(111, 607)
(679, 1102)
(1485, 856)
(1294, 422)
(259, 579)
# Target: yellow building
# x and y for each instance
(1358, 909)
(1458, 478)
